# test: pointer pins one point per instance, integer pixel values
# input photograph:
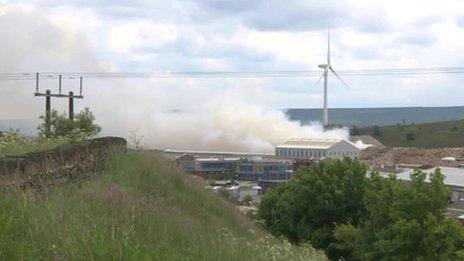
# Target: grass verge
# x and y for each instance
(139, 208)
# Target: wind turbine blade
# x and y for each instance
(322, 75)
(344, 83)
(328, 46)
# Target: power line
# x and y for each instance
(228, 74)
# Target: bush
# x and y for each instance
(224, 192)
(247, 199)
(83, 126)
(376, 131)
(11, 136)
(410, 136)
(354, 131)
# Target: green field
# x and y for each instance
(428, 135)
(140, 207)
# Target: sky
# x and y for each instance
(240, 35)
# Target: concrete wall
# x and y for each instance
(66, 163)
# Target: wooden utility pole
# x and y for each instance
(80, 86)
(71, 106)
(47, 113)
(48, 95)
(36, 82)
(59, 84)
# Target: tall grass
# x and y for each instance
(139, 208)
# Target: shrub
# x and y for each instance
(247, 199)
(376, 131)
(410, 136)
(83, 126)
(11, 136)
(224, 192)
(354, 131)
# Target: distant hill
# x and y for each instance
(426, 135)
(379, 116)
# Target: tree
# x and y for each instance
(334, 206)
(61, 126)
(376, 130)
(308, 207)
(404, 222)
(410, 136)
(354, 131)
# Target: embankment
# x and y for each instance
(63, 164)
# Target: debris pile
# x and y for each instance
(377, 156)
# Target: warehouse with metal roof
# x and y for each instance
(317, 149)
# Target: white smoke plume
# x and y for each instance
(361, 145)
(226, 125)
(178, 115)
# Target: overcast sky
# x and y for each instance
(241, 35)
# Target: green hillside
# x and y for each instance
(138, 208)
(428, 135)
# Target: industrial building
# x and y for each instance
(317, 149)
(257, 168)
(454, 179)
(244, 168)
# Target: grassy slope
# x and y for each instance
(139, 208)
(429, 135)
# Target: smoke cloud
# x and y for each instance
(187, 114)
(226, 125)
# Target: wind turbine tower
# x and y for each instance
(325, 74)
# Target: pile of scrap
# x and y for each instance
(375, 156)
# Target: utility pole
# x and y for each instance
(59, 84)
(48, 95)
(36, 82)
(71, 106)
(80, 86)
(47, 113)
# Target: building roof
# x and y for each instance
(217, 152)
(453, 176)
(221, 159)
(310, 143)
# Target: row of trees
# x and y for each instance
(336, 207)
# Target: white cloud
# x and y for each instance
(221, 35)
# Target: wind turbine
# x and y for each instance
(327, 67)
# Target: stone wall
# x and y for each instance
(66, 163)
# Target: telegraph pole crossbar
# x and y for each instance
(59, 95)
